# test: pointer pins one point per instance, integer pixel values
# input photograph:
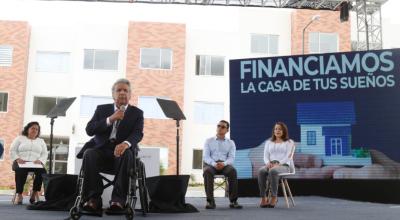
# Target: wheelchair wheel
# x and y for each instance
(74, 213)
(129, 213)
(143, 191)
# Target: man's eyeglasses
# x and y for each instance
(221, 126)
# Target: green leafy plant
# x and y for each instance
(360, 153)
(162, 170)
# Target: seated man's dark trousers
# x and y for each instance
(96, 160)
(229, 171)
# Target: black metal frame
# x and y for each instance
(139, 174)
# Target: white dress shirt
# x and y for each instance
(115, 126)
(216, 149)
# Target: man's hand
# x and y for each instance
(20, 161)
(37, 162)
(219, 166)
(275, 165)
(118, 115)
(120, 149)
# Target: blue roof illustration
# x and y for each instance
(326, 113)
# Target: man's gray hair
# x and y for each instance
(122, 80)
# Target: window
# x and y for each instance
(208, 112)
(264, 43)
(2, 149)
(311, 138)
(163, 157)
(156, 58)
(56, 62)
(210, 65)
(197, 159)
(60, 154)
(43, 105)
(163, 160)
(336, 146)
(6, 54)
(3, 101)
(323, 42)
(150, 107)
(101, 59)
(89, 104)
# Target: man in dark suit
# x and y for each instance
(117, 129)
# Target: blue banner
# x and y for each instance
(341, 109)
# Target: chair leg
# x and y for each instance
(222, 185)
(290, 192)
(226, 187)
(284, 193)
(13, 199)
(31, 184)
(268, 191)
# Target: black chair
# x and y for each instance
(137, 174)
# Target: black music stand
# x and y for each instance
(167, 193)
(172, 110)
(58, 110)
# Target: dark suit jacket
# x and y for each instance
(1, 150)
(129, 129)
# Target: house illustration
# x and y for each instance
(326, 132)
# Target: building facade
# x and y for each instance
(56, 50)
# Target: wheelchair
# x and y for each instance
(137, 181)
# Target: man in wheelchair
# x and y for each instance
(117, 129)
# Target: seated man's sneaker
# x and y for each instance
(210, 205)
(235, 205)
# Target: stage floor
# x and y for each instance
(307, 208)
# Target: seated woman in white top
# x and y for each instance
(277, 157)
(24, 148)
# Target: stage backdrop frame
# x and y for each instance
(342, 110)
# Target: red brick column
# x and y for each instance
(167, 83)
(329, 22)
(13, 81)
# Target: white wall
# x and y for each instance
(225, 33)
(73, 37)
(319, 147)
(391, 24)
(74, 26)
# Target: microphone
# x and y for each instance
(121, 108)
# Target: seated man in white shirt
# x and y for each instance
(218, 157)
